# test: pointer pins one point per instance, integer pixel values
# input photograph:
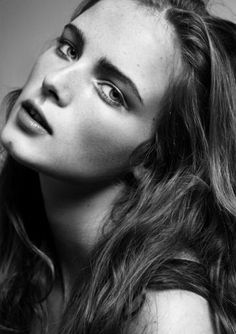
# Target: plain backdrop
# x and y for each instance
(27, 26)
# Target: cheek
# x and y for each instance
(107, 145)
(103, 144)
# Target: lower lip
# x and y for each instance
(28, 124)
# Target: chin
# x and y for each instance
(6, 140)
(9, 139)
(23, 153)
(12, 143)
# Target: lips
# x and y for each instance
(36, 114)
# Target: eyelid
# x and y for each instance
(64, 41)
(105, 82)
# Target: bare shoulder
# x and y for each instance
(173, 312)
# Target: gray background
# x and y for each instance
(27, 26)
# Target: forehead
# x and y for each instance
(137, 40)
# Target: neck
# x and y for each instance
(76, 214)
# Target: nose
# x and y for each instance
(56, 86)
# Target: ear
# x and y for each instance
(139, 172)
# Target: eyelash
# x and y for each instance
(61, 42)
(109, 100)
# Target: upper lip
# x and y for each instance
(29, 105)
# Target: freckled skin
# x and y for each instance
(92, 140)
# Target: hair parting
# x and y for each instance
(178, 199)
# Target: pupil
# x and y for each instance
(72, 52)
(115, 95)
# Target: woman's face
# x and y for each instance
(99, 89)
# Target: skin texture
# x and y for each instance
(92, 140)
(173, 312)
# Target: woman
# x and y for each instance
(118, 201)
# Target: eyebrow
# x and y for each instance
(79, 35)
(105, 65)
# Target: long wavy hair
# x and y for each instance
(179, 197)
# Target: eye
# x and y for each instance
(66, 49)
(111, 94)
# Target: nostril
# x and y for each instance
(49, 90)
(54, 94)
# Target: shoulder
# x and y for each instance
(173, 312)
